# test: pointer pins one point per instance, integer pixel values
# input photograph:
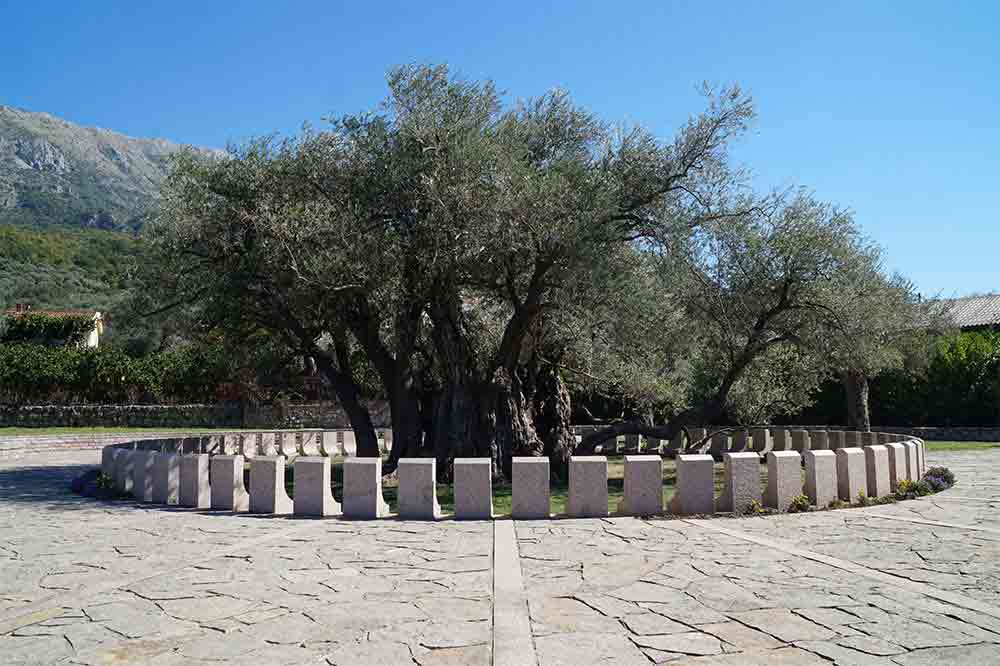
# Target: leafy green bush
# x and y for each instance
(907, 489)
(862, 498)
(800, 504)
(836, 504)
(35, 374)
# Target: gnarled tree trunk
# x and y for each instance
(856, 387)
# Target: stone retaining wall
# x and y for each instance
(327, 414)
(207, 471)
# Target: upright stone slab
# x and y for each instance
(363, 488)
(588, 487)
(231, 443)
(643, 494)
(166, 478)
(851, 475)
(742, 485)
(821, 476)
(852, 439)
(387, 439)
(124, 464)
(418, 489)
(819, 440)
(313, 494)
(267, 486)
(142, 475)
(836, 439)
(897, 463)
(761, 440)
(195, 491)
(249, 445)
(741, 441)
(877, 470)
(912, 465)
(653, 445)
(780, 440)
(800, 441)
(784, 479)
(719, 445)
(695, 492)
(308, 442)
(108, 461)
(883, 437)
(530, 487)
(284, 441)
(473, 488)
(268, 445)
(869, 439)
(632, 444)
(921, 457)
(349, 443)
(228, 491)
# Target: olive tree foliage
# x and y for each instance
(779, 297)
(445, 235)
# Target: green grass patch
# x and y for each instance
(961, 446)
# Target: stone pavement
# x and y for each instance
(86, 582)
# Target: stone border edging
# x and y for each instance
(178, 471)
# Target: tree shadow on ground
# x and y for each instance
(43, 485)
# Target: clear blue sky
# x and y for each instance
(891, 109)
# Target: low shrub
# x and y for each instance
(862, 498)
(939, 478)
(907, 489)
(756, 508)
(836, 504)
(800, 504)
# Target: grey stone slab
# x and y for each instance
(643, 486)
(780, 440)
(835, 439)
(194, 489)
(417, 492)
(227, 490)
(784, 479)
(819, 440)
(877, 470)
(530, 488)
(784, 625)
(852, 477)
(473, 488)
(742, 482)
(166, 478)
(761, 440)
(897, 463)
(363, 489)
(800, 441)
(142, 475)
(695, 493)
(313, 493)
(912, 464)
(267, 486)
(821, 476)
(588, 487)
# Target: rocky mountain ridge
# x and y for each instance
(54, 172)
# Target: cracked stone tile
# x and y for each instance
(587, 648)
(370, 654)
(786, 656)
(652, 624)
(692, 643)
(983, 653)
(783, 625)
(740, 637)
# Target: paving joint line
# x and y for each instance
(513, 642)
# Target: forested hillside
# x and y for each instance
(71, 201)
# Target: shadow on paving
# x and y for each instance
(43, 485)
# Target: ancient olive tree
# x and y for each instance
(780, 296)
(441, 235)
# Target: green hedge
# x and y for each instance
(958, 386)
(35, 374)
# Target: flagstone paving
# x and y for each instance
(87, 582)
